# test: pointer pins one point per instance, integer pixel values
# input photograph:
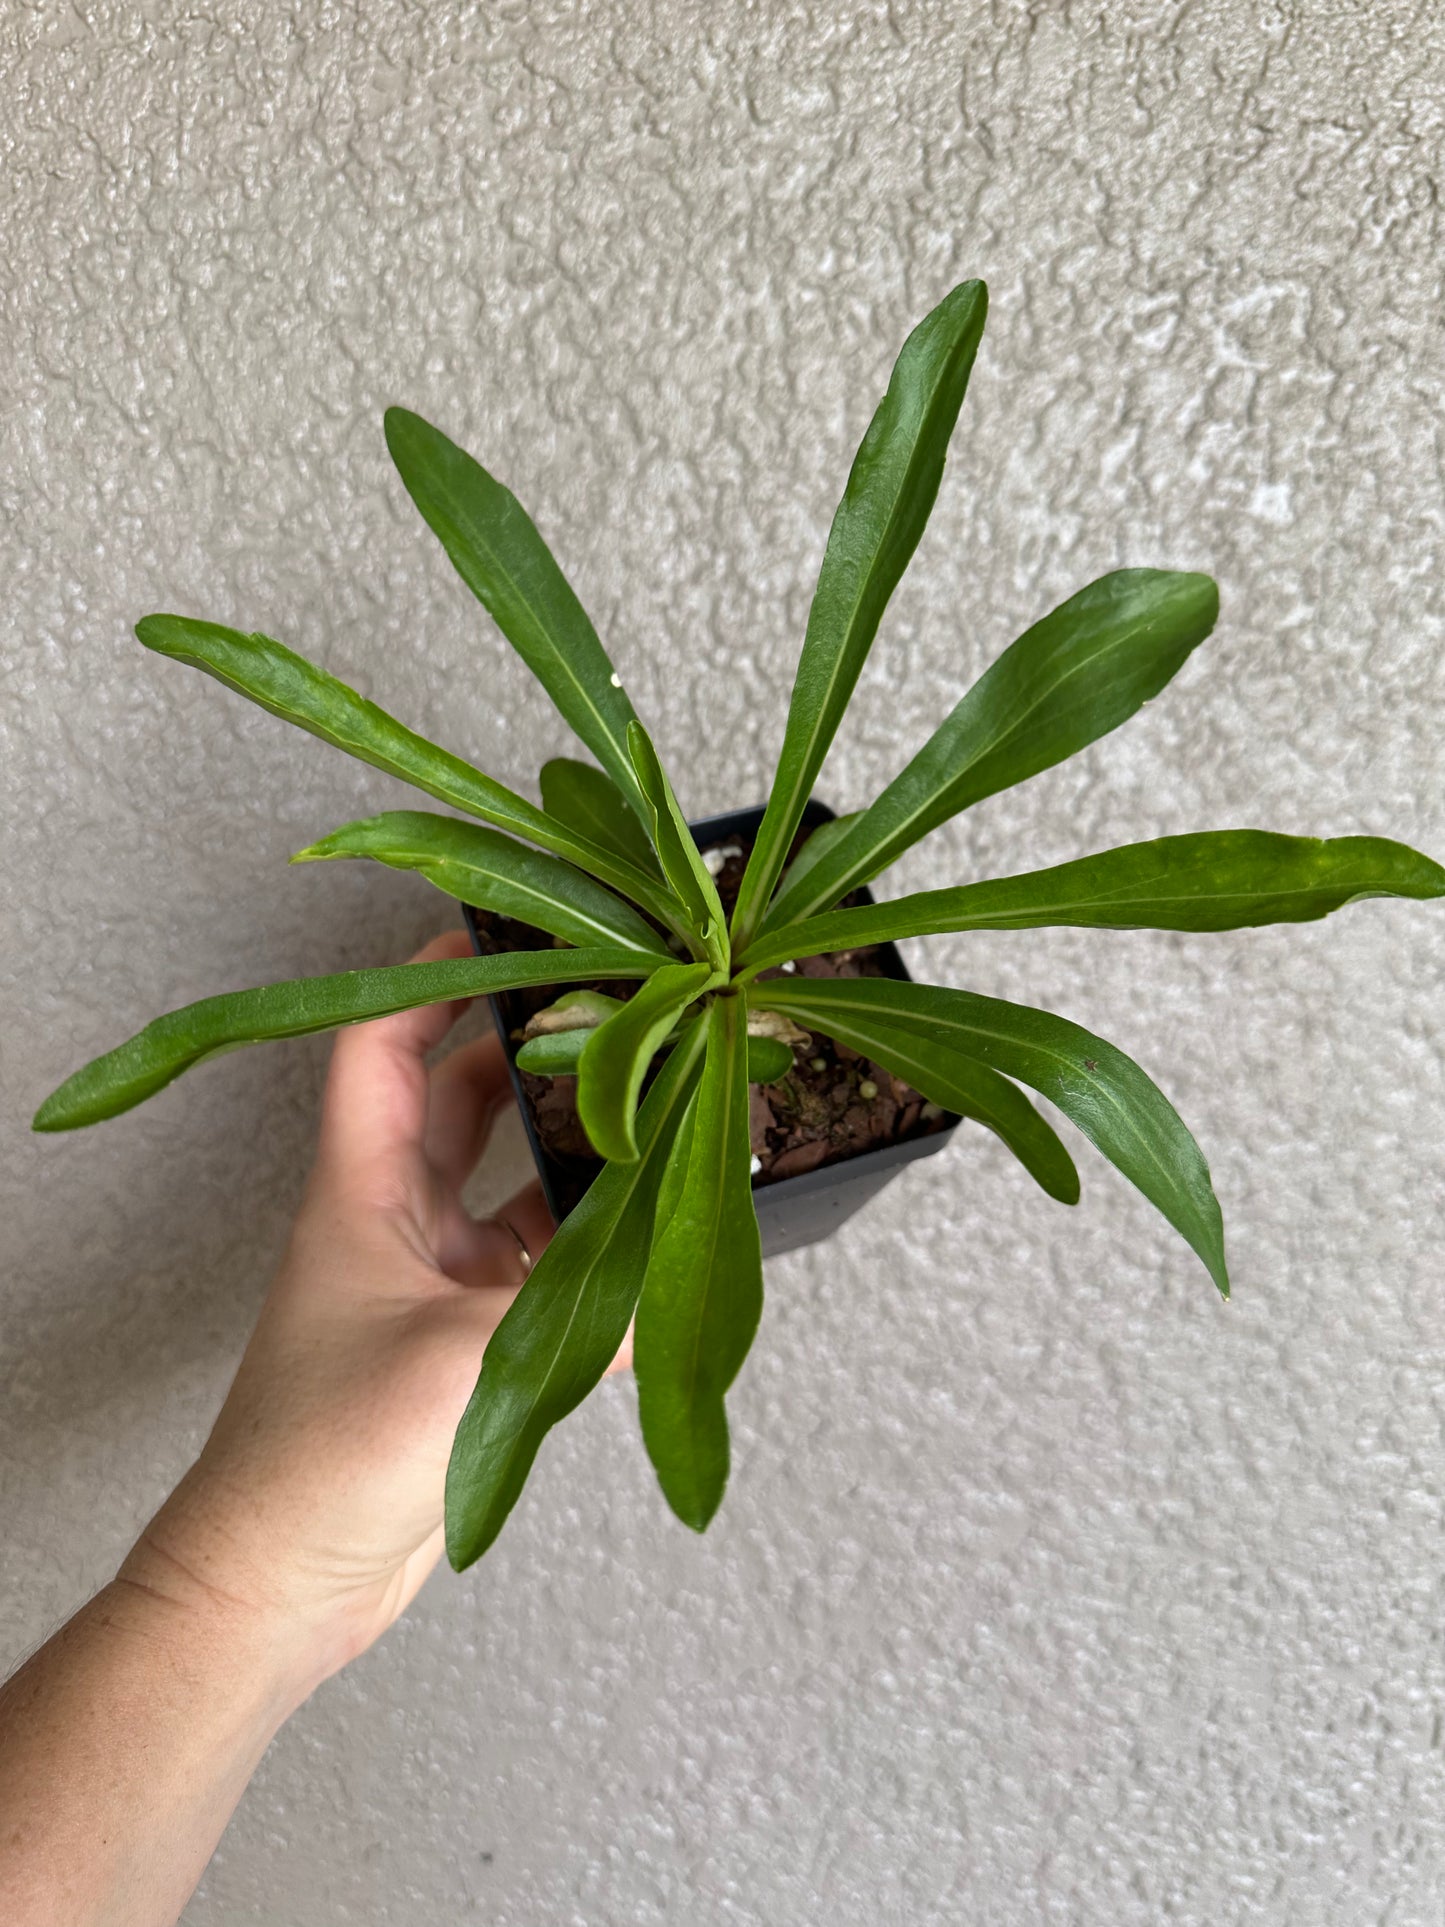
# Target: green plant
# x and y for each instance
(667, 1230)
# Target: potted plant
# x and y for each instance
(674, 1010)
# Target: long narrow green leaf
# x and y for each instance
(493, 872)
(826, 837)
(965, 1085)
(703, 1293)
(497, 551)
(616, 1055)
(681, 860)
(1086, 668)
(277, 679)
(1121, 1110)
(566, 1324)
(149, 1061)
(1213, 880)
(587, 800)
(890, 491)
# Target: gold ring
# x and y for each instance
(520, 1242)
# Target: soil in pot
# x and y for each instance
(833, 1105)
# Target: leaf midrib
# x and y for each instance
(422, 861)
(714, 1231)
(1022, 918)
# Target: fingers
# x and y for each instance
(503, 1249)
(375, 1103)
(467, 1091)
(500, 1249)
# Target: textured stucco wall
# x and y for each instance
(1048, 1590)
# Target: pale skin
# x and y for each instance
(312, 1515)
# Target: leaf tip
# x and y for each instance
(614, 1145)
(697, 1510)
(395, 422)
(60, 1111)
(153, 632)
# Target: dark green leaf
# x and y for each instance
(616, 1056)
(290, 687)
(1073, 677)
(566, 1324)
(147, 1062)
(493, 872)
(681, 860)
(965, 1085)
(703, 1293)
(890, 491)
(498, 553)
(826, 837)
(1215, 880)
(768, 1060)
(1121, 1110)
(590, 802)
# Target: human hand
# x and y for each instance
(317, 1500)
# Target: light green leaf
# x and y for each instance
(147, 1062)
(890, 491)
(1083, 670)
(496, 550)
(590, 802)
(1121, 1110)
(768, 1060)
(681, 860)
(557, 1055)
(965, 1085)
(274, 677)
(703, 1293)
(554, 1055)
(615, 1058)
(1214, 880)
(493, 872)
(567, 1323)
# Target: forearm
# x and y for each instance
(125, 1743)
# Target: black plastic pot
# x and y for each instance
(792, 1212)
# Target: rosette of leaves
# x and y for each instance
(608, 869)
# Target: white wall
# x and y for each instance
(1048, 1589)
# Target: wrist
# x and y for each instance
(174, 1585)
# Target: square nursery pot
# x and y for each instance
(794, 1211)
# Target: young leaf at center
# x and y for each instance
(616, 1055)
